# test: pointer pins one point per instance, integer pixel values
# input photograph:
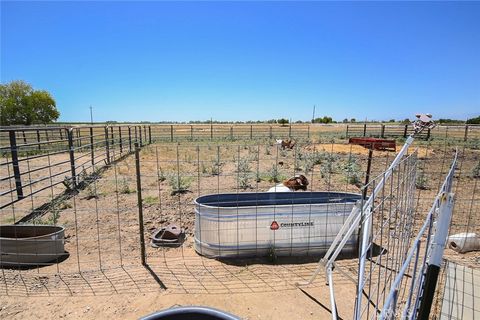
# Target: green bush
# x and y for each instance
(421, 182)
(179, 184)
(352, 171)
(476, 170)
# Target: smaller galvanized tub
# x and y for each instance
(29, 245)
(265, 223)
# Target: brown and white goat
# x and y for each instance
(296, 183)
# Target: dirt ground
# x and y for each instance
(102, 277)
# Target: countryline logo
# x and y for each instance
(275, 226)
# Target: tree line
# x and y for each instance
(20, 104)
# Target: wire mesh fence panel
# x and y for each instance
(460, 298)
(103, 231)
(397, 282)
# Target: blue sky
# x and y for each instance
(180, 61)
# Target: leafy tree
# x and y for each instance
(353, 120)
(406, 121)
(21, 105)
(391, 120)
(450, 121)
(474, 120)
(282, 121)
(325, 119)
(345, 120)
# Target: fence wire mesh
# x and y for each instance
(101, 214)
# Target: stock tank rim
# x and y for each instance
(58, 230)
(344, 197)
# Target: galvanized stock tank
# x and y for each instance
(31, 245)
(257, 224)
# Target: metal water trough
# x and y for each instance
(29, 245)
(255, 224)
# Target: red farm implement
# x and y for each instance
(374, 143)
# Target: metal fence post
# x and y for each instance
(79, 141)
(270, 132)
(382, 133)
(150, 134)
(91, 146)
(61, 134)
(145, 132)
(171, 133)
(308, 132)
(16, 167)
(405, 131)
(251, 132)
(140, 136)
(107, 147)
(24, 137)
(231, 133)
(120, 139)
(435, 259)
(191, 132)
(466, 134)
(140, 205)
(112, 144)
(428, 134)
(211, 131)
(346, 133)
(364, 129)
(38, 140)
(71, 151)
(129, 139)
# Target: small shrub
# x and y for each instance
(421, 182)
(51, 219)
(272, 254)
(179, 184)
(149, 200)
(216, 168)
(64, 205)
(474, 144)
(273, 175)
(125, 188)
(244, 170)
(68, 183)
(161, 175)
(91, 192)
(476, 170)
(352, 171)
(243, 165)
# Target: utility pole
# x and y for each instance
(313, 116)
(91, 115)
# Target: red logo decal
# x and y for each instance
(274, 226)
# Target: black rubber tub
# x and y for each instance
(189, 313)
(31, 245)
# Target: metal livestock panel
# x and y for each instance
(266, 223)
